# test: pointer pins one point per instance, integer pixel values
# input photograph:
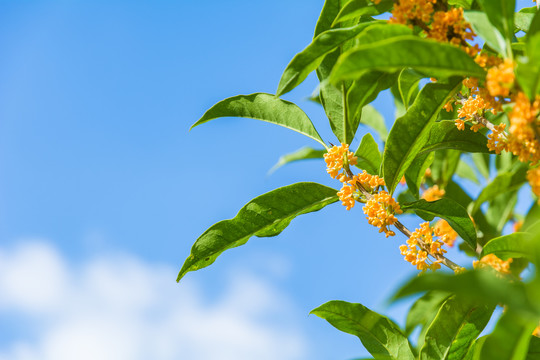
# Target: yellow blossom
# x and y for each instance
(433, 193)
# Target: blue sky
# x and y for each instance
(102, 184)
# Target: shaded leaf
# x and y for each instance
(465, 171)
(408, 85)
(429, 57)
(372, 118)
(381, 336)
(300, 154)
(411, 131)
(416, 172)
(501, 14)
(263, 107)
(523, 18)
(515, 245)
(424, 309)
(266, 215)
(481, 26)
(534, 349)
(445, 135)
(451, 211)
(369, 157)
(528, 67)
(455, 327)
(482, 164)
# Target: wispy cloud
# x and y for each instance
(121, 307)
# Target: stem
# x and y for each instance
(403, 229)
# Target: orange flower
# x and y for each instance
(336, 157)
(443, 230)
(500, 79)
(415, 250)
(380, 210)
(533, 176)
(433, 193)
(497, 139)
(494, 262)
(523, 138)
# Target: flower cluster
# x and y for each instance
(350, 191)
(433, 193)
(494, 262)
(422, 244)
(380, 210)
(500, 79)
(335, 159)
(533, 176)
(524, 129)
(444, 231)
(497, 139)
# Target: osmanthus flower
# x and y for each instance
(497, 139)
(335, 159)
(406, 12)
(433, 193)
(533, 176)
(420, 246)
(492, 261)
(500, 79)
(380, 210)
(524, 128)
(445, 232)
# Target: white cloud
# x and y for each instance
(120, 307)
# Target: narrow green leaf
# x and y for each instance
(465, 171)
(328, 13)
(266, 215)
(362, 92)
(528, 67)
(500, 209)
(508, 181)
(411, 131)
(481, 285)
(534, 26)
(481, 25)
(310, 58)
(300, 154)
(455, 327)
(482, 164)
(465, 4)
(445, 135)
(427, 56)
(523, 18)
(372, 118)
(263, 107)
(515, 245)
(369, 157)
(510, 338)
(475, 349)
(356, 8)
(408, 85)
(501, 14)
(424, 309)
(451, 211)
(416, 172)
(381, 336)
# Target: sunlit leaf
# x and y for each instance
(424, 309)
(266, 215)
(300, 154)
(432, 58)
(369, 157)
(528, 67)
(411, 132)
(501, 14)
(481, 26)
(451, 211)
(445, 135)
(515, 245)
(381, 336)
(263, 107)
(356, 8)
(408, 85)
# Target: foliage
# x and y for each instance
(464, 112)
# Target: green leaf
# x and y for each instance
(465, 4)
(311, 57)
(450, 211)
(465, 171)
(408, 85)
(381, 336)
(445, 135)
(369, 157)
(534, 349)
(500, 209)
(362, 92)
(372, 118)
(328, 13)
(516, 245)
(263, 107)
(481, 25)
(523, 18)
(501, 14)
(266, 215)
(424, 309)
(455, 327)
(356, 8)
(300, 154)
(475, 349)
(534, 26)
(411, 131)
(528, 67)
(504, 182)
(482, 285)
(482, 164)
(427, 56)
(510, 338)
(417, 171)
